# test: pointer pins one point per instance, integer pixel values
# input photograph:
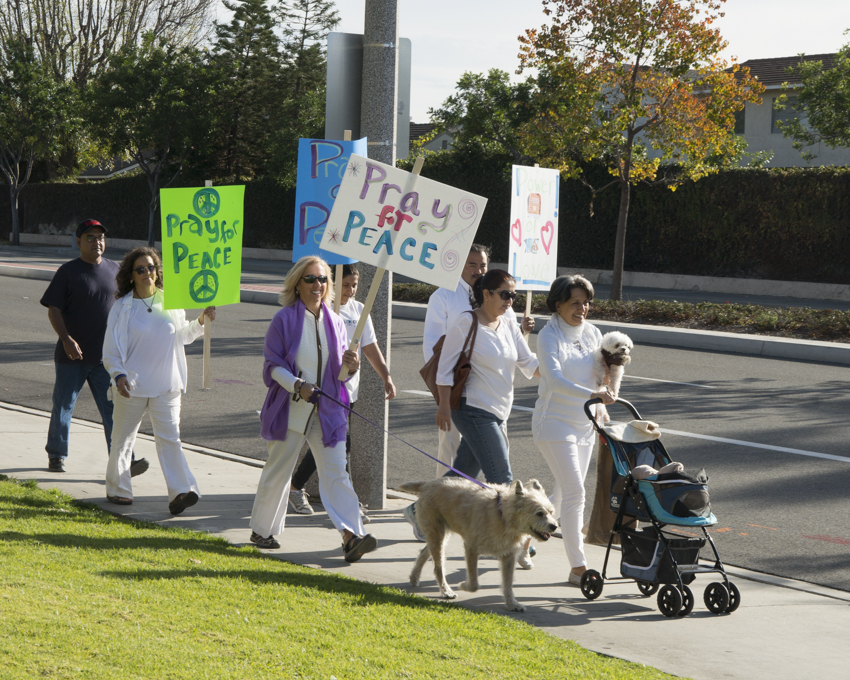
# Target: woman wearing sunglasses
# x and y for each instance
(489, 391)
(560, 426)
(304, 351)
(143, 352)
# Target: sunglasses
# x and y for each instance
(505, 295)
(92, 238)
(141, 271)
(312, 278)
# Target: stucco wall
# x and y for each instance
(757, 125)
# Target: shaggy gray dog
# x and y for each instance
(494, 521)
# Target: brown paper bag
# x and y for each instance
(602, 516)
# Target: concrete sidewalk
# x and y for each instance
(783, 629)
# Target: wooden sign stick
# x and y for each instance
(207, 335)
(528, 293)
(373, 292)
(337, 288)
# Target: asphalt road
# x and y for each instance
(779, 511)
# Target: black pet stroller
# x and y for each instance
(655, 556)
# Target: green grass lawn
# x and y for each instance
(86, 594)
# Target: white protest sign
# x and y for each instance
(402, 222)
(533, 243)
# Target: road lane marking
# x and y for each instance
(672, 382)
(722, 440)
(768, 447)
(830, 539)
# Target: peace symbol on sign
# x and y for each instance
(206, 202)
(204, 286)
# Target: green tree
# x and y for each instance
(306, 24)
(251, 93)
(823, 102)
(35, 111)
(152, 105)
(75, 39)
(487, 111)
(638, 84)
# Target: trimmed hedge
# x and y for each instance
(784, 224)
(122, 205)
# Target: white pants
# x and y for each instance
(127, 415)
(569, 463)
(447, 448)
(269, 513)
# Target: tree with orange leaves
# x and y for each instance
(638, 84)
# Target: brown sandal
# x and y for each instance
(120, 500)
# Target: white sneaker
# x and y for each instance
(363, 516)
(524, 560)
(299, 503)
(409, 514)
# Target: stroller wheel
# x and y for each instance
(734, 598)
(647, 588)
(687, 602)
(591, 584)
(716, 598)
(669, 601)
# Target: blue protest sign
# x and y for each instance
(321, 167)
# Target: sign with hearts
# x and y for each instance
(533, 245)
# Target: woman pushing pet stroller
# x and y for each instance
(566, 348)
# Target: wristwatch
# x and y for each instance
(296, 390)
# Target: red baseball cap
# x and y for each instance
(85, 225)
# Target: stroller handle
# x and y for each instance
(625, 403)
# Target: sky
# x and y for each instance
(450, 37)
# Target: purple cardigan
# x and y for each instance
(282, 340)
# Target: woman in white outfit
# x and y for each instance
(143, 352)
(560, 426)
(304, 352)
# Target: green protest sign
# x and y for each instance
(201, 246)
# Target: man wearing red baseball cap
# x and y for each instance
(78, 301)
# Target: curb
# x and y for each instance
(682, 338)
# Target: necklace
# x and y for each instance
(149, 306)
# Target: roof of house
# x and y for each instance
(775, 71)
(108, 168)
(418, 130)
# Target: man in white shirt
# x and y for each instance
(443, 306)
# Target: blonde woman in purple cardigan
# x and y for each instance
(305, 351)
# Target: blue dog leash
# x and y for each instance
(371, 422)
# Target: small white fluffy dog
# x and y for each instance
(609, 362)
(492, 521)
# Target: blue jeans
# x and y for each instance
(484, 446)
(70, 379)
